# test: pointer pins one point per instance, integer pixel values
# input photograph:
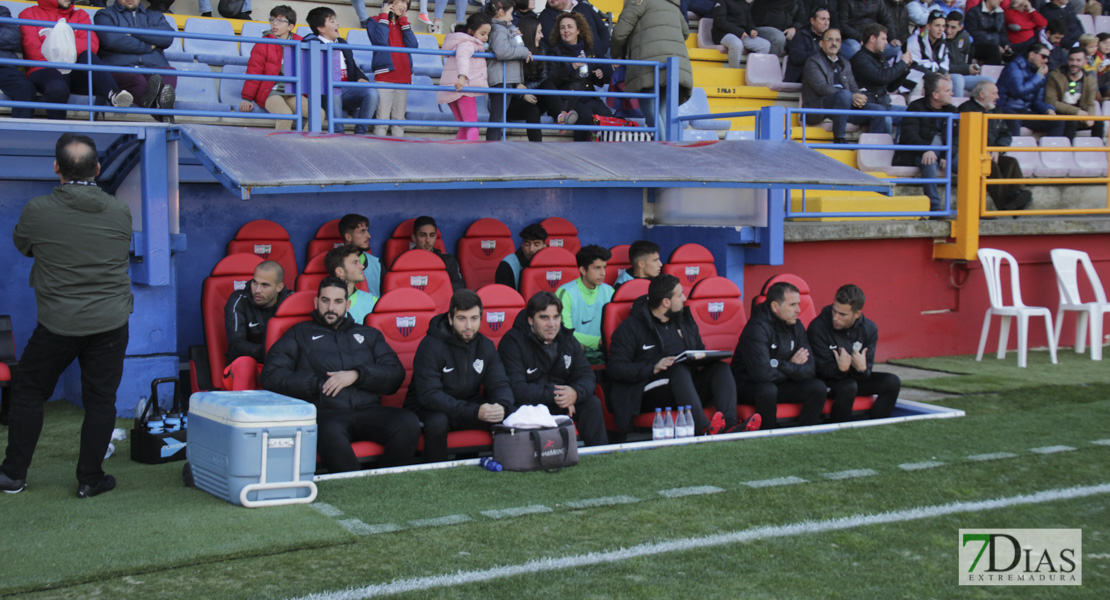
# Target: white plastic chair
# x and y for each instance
(1102, 24)
(1088, 23)
(991, 259)
(1061, 164)
(1093, 163)
(1030, 162)
(1066, 262)
(881, 161)
(765, 70)
(705, 36)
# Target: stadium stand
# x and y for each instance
(992, 259)
(212, 52)
(618, 308)
(1063, 161)
(314, 272)
(207, 363)
(698, 104)
(251, 29)
(176, 52)
(550, 268)
(619, 262)
(481, 249)
(422, 104)
(231, 90)
(401, 242)
(881, 161)
(1093, 163)
(690, 263)
(561, 233)
(364, 58)
(269, 241)
(327, 237)
(424, 271)
(429, 65)
(1066, 264)
(198, 93)
(500, 305)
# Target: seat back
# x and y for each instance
(690, 263)
(1088, 23)
(296, 308)
(763, 70)
(251, 29)
(232, 273)
(364, 58)
(210, 51)
(196, 93)
(808, 310)
(231, 90)
(402, 315)
(549, 269)
(1029, 161)
(500, 305)
(327, 237)
(617, 263)
(481, 249)
(616, 311)
(992, 71)
(401, 242)
(269, 241)
(705, 35)
(875, 160)
(1102, 24)
(719, 312)
(430, 65)
(561, 233)
(1066, 264)
(1091, 160)
(1057, 160)
(992, 260)
(314, 273)
(424, 271)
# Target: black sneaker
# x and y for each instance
(150, 95)
(107, 484)
(11, 486)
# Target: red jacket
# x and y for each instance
(265, 60)
(48, 10)
(1029, 22)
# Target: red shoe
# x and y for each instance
(716, 424)
(752, 424)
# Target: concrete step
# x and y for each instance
(831, 201)
(718, 78)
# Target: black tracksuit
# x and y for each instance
(505, 275)
(452, 265)
(844, 386)
(245, 324)
(534, 372)
(763, 371)
(451, 379)
(298, 365)
(878, 76)
(637, 346)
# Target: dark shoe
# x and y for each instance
(206, 14)
(840, 140)
(246, 16)
(150, 95)
(11, 486)
(107, 484)
(167, 97)
(716, 424)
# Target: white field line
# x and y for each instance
(991, 456)
(680, 545)
(691, 491)
(1051, 449)
(851, 474)
(929, 464)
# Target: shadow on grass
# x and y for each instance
(994, 375)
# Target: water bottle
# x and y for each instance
(689, 421)
(489, 464)
(584, 70)
(680, 424)
(657, 425)
(518, 39)
(173, 422)
(668, 425)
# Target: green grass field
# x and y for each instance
(752, 518)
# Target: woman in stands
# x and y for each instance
(391, 28)
(506, 70)
(266, 59)
(466, 71)
(571, 37)
(531, 107)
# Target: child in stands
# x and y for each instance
(506, 70)
(466, 71)
(391, 28)
(266, 59)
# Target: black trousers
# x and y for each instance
(844, 391)
(47, 355)
(586, 109)
(56, 87)
(436, 427)
(688, 385)
(589, 420)
(395, 428)
(522, 110)
(989, 54)
(1006, 167)
(766, 396)
(1072, 127)
(17, 87)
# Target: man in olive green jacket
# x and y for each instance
(652, 30)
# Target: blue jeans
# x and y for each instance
(960, 83)
(842, 100)
(205, 6)
(930, 172)
(360, 103)
(441, 7)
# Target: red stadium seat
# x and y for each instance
(619, 262)
(717, 309)
(809, 312)
(618, 308)
(549, 269)
(465, 441)
(690, 263)
(295, 309)
(402, 315)
(230, 274)
(314, 273)
(561, 233)
(327, 237)
(481, 249)
(501, 304)
(422, 270)
(401, 242)
(269, 241)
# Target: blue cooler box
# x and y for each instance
(253, 448)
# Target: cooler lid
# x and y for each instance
(253, 406)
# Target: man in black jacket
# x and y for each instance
(546, 365)
(13, 82)
(857, 14)
(245, 317)
(1058, 9)
(778, 21)
(805, 43)
(773, 364)
(923, 131)
(344, 368)
(843, 342)
(458, 381)
(876, 74)
(425, 232)
(984, 98)
(644, 372)
(986, 23)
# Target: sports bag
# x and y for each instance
(546, 448)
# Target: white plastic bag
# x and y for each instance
(60, 44)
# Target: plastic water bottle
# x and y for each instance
(584, 70)
(668, 425)
(680, 424)
(689, 421)
(489, 464)
(173, 422)
(657, 425)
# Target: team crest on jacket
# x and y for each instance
(359, 338)
(405, 325)
(479, 364)
(716, 309)
(566, 361)
(488, 246)
(856, 346)
(495, 319)
(692, 273)
(553, 279)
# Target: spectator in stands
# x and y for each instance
(54, 86)
(507, 68)
(342, 262)
(599, 29)
(571, 37)
(1058, 9)
(778, 21)
(734, 28)
(1071, 90)
(644, 256)
(441, 8)
(344, 368)
(358, 102)
(205, 7)
(1052, 36)
(984, 97)
(945, 6)
(13, 83)
(138, 50)
(702, 9)
(918, 12)
(79, 237)
(246, 315)
(545, 365)
(355, 230)
(163, 6)
(830, 5)
(425, 232)
(828, 83)
(1102, 64)
(876, 75)
(1021, 91)
(391, 28)
(466, 71)
(843, 342)
(650, 30)
(929, 52)
(965, 72)
(526, 11)
(533, 238)
(857, 14)
(266, 59)
(773, 363)
(1089, 43)
(584, 298)
(1022, 24)
(986, 23)
(903, 28)
(645, 372)
(535, 75)
(923, 131)
(805, 44)
(458, 381)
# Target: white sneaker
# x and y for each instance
(437, 27)
(121, 99)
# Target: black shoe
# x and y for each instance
(107, 484)
(840, 140)
(150, 95)
(246, 16)
(11, 486)
(206, 14)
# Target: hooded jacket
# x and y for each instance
(462, 63)
(986, 28)
(533, 373)
(456, 377)
(133, 49)
(765, 347)
(636, 347)
(245, 324)
(825, 339)
(1021, 89)
(47, 10)
(503, 44)
(79, 237)
(653, 30)
(266, 59)
(298, 364)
